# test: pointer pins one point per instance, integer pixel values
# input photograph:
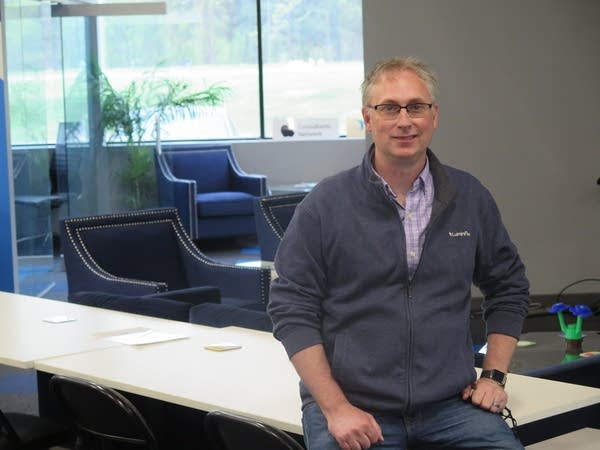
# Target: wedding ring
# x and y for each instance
(496, 405)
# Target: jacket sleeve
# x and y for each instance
(500, 274)
(296, 293)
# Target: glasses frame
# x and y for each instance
(411, 114)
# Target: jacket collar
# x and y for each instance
(444, 189)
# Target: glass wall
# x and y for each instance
(33, 75)
(312, 62)
(63, 73)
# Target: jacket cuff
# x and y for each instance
(299, 339)
(504, 322)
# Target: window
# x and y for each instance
(311, 58)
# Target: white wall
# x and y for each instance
(298, 161)
(520, 109)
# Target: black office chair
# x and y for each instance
(20, 431)
(101, 415)
(231, 432)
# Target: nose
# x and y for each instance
(403, 119)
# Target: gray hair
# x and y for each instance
(397, 64)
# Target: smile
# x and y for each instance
(407, 138)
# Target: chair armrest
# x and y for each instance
(252, 184)
(111, 284)
(248, 284)
(195, 295)
(165, 308)
(226, 315)
(178, 193)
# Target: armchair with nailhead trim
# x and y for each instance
(273, 214)
(148, 251)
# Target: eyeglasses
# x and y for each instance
(390, 111)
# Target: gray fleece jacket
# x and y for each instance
(394, 344)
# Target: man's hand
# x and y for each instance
(487, 394)
(353, 428)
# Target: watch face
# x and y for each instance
(498, 376)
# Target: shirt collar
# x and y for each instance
(423, 181)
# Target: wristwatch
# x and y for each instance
(494, 374)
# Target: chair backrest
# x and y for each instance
(101, 412)
(66, 160)
(209, 167)
(273, 214)
(221, 315)
(141, 245)
(231, 432)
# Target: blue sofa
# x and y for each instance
(214, 196)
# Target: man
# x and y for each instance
(373, 296)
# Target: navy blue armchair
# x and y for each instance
(273, 214)
(213, 195)
(148, 251)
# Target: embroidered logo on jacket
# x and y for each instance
(459, 233)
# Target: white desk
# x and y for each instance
(25, 337)
(258, 380)
(584, 439)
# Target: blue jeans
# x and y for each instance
(449, 424)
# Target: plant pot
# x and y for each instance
(574, 346)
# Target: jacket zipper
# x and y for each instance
(409, 297)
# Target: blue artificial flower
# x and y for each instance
(558, 307)
(581, 311)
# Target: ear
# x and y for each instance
(436, 111)
(366, 113)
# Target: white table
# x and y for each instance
(583, 439)
(25, 337)
(258, 380)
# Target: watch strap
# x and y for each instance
(494, 374)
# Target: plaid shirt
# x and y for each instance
(415, 214)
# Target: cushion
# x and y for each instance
(219, 315)
(230, 203)
(155, 307)
(209, 168)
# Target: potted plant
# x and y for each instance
(128, 115)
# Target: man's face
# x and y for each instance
(403, 139)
